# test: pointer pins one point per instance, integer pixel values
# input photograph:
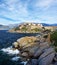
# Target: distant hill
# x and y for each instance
(45, 24)
(4, 27)
(54, 24)
(7, 27)
(10, 26)
(13, 25)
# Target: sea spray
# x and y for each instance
(9, 50)
(15, 58)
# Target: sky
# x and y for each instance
(37, 11)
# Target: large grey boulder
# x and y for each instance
(51, 64)
(41, 48)
(44, 45)
(55, 63)
(47, 57)
(55, 58)
(38, 52)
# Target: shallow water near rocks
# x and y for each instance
(7, 55)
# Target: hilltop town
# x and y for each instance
(32, 28)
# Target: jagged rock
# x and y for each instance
(55, 63)
(51, 64)
(32, 62)
(29, 62)
(42, 40)
(26, 40)
(23, 59)
(41, 48)
(15, 45)
(29, 44)
(25, 54)
(47, 57)
(55, 58)
(47, 60)
(38, 52)
(44, 45)
(31, 49)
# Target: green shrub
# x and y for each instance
(36, 29)
(17, 28)
(24, 29)
(56, 49)
(45, 36)
(54, 38)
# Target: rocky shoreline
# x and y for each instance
(36, 50)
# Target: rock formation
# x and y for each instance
(38, 52)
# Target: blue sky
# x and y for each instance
(16, 11)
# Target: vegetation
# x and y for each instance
(17, 28)
(54, 38)
(45, 36)
(56, 49)
(35, 30)
(24, 29)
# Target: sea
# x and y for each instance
(7, 55)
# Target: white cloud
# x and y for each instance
(15, 9)
(16, 6)
(28, 10)
(44, 3)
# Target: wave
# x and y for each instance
(15, 58)
(10, 50)
(24, 62)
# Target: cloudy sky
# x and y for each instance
(16, 11)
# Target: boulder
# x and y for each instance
(29, 44)
(32, 62)
(25, 54)
(55, 58)
(31, 49)
(44, 45)
(38, 52)
(42, 40)
(47, 57)
(15, 45)
(26, 40)
(55, 63)
(51, 64)
(41, 48)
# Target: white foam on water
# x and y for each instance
(24, 62)
(15, 58)
(9, 50)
